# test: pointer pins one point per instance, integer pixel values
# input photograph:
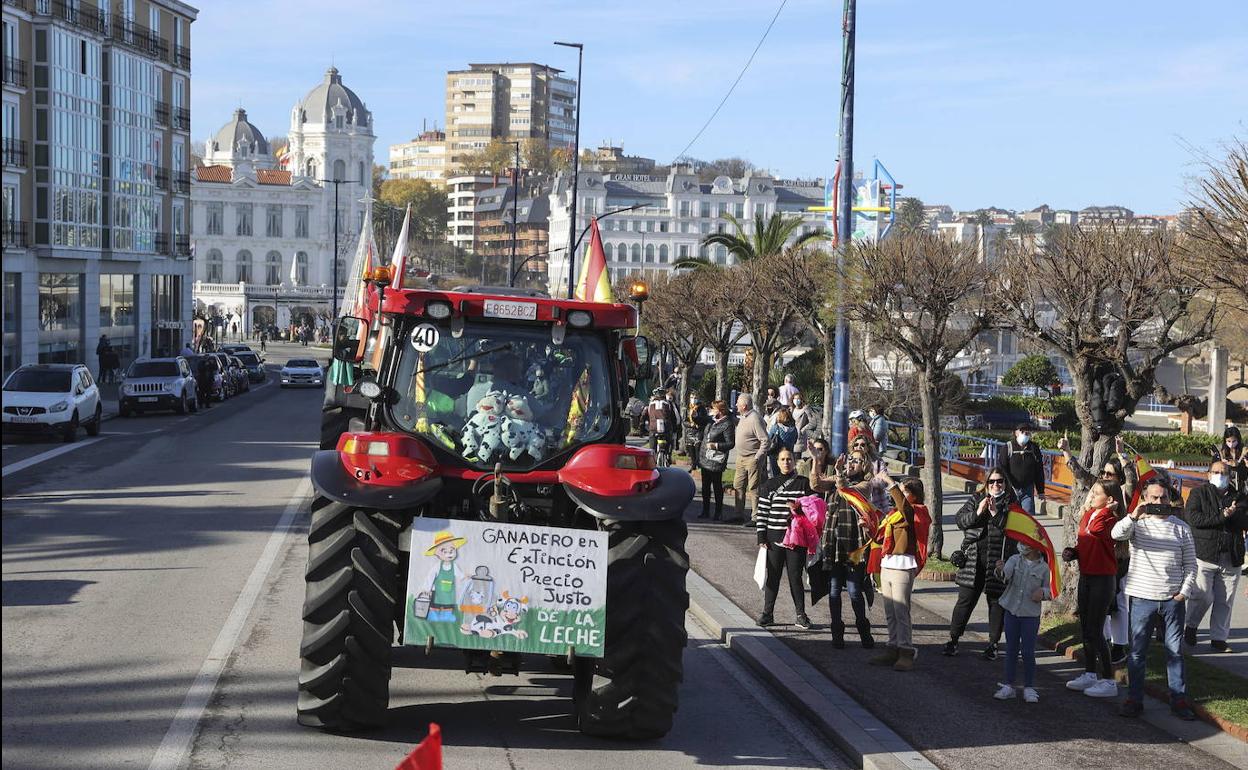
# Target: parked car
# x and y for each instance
(217, 389)
(254, 365)
(234, 349)
(52, 398)
(239, 373)
(231, 384)
(302, 371)
(158, 383)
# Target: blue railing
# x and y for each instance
(991, 451)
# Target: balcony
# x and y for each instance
(136, 37)
(182, 56)
(162, 113)
(182, 245)
(182, 181)
(163, 243)
(162, 178)
(83, 17)
(15, 235)
(15, 72)
(182, 118)
(15, 153)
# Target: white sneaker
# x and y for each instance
(1006, 692)
(1082, 682)
(1104, 688)
(1030, 695)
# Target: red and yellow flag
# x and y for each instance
(870, 549)
(594, 285)
(1144, 471)
(1024, 528)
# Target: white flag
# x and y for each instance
(398, 262)
(365, 248)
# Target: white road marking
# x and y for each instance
(22, 465)
(818, 748)
(173, 750)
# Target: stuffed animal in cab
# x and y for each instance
(520, 433)
(482, 434)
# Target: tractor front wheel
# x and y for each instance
(352, 589)
(632, 692)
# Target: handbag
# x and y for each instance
(715, 456)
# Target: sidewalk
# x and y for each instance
(945, 707)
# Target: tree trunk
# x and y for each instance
(722, 389)
(828, 338)
(929, 400)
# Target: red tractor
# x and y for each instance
(398, 444)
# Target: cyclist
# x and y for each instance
(663, 424)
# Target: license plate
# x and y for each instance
(520, 311)
(23, 419)
(148, 400)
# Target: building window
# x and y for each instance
(60, 318)
(721, 255)
(636, 252)
(649, 252)
(301, 221)
(340, 170)
(684, 208)
(12, 321)
(215, 218)
(243, 213)
(663, 254)
(738, 210)
(311, 168)
(301, 267)
(361, 172)
(242, 266)
(216, 266)
(273, 221)
(682, 251)
(272, 268)
(117, 314)
(706, 209)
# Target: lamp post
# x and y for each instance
(840, 369)
(576, 161)
(336, 183)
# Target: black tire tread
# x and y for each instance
(352, 584)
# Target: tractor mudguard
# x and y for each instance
(667, 500)
(331, 479)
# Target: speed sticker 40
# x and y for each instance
(425, 337)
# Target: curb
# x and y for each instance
(1162, 694)
(867, 741)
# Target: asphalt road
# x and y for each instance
(152, 585)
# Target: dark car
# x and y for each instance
(230, 380)
(239, 372)
(235, 349)
(254, 365)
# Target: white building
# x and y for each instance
(677, 212)
(264, 236)
(424, 157)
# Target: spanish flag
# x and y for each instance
(1144, 471)
(870, 548)
(1023, 527)
(594, 285)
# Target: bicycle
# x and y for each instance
(662, 452)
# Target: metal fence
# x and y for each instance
(985, 453)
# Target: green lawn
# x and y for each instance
(1222, 693)
(940, 566)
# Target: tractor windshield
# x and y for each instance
(503, 394)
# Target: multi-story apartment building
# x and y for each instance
(264, 236)
(676, 212)
(507, 101)
(96, 123)
(461, 192)
(494, 211)
(422, 158)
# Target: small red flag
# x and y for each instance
(428, 753)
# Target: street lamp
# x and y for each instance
(336, 183)
(576, 160)
(639, 292)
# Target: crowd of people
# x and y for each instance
(1151, 565)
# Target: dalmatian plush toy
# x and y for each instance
(520, 433)
(482, 434)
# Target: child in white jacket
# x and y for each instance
(1027, 585)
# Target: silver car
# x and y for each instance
(158, 383)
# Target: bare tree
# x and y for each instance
(667, 322)
(710, 310)
(1113, 304)
(1218, 227)
(929, 298)
(806, 279)
(764, 308)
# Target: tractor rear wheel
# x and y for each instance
(352, 589)
(632, 692)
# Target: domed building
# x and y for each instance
(264, 226)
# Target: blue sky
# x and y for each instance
(970, 103)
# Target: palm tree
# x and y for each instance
(769, 322)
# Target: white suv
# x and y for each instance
(57, 398)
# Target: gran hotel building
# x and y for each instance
(96, 178)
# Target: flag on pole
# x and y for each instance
(594, 285)
(1143, 471)
(398, 261)
(365, 248)
(1023, 527)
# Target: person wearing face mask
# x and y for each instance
(1233, 452)
(804, 421)
(844, 534)
(1218, 516)
(696, 418)
(1098, 571)
(1027, 584)
(717, 440)
(1024, 468)
(879, 425)
(982, 519)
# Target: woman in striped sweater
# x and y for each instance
(774, 499)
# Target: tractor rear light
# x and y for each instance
(635, 462)
(438, 310)
(378, 449)
(580, 318)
